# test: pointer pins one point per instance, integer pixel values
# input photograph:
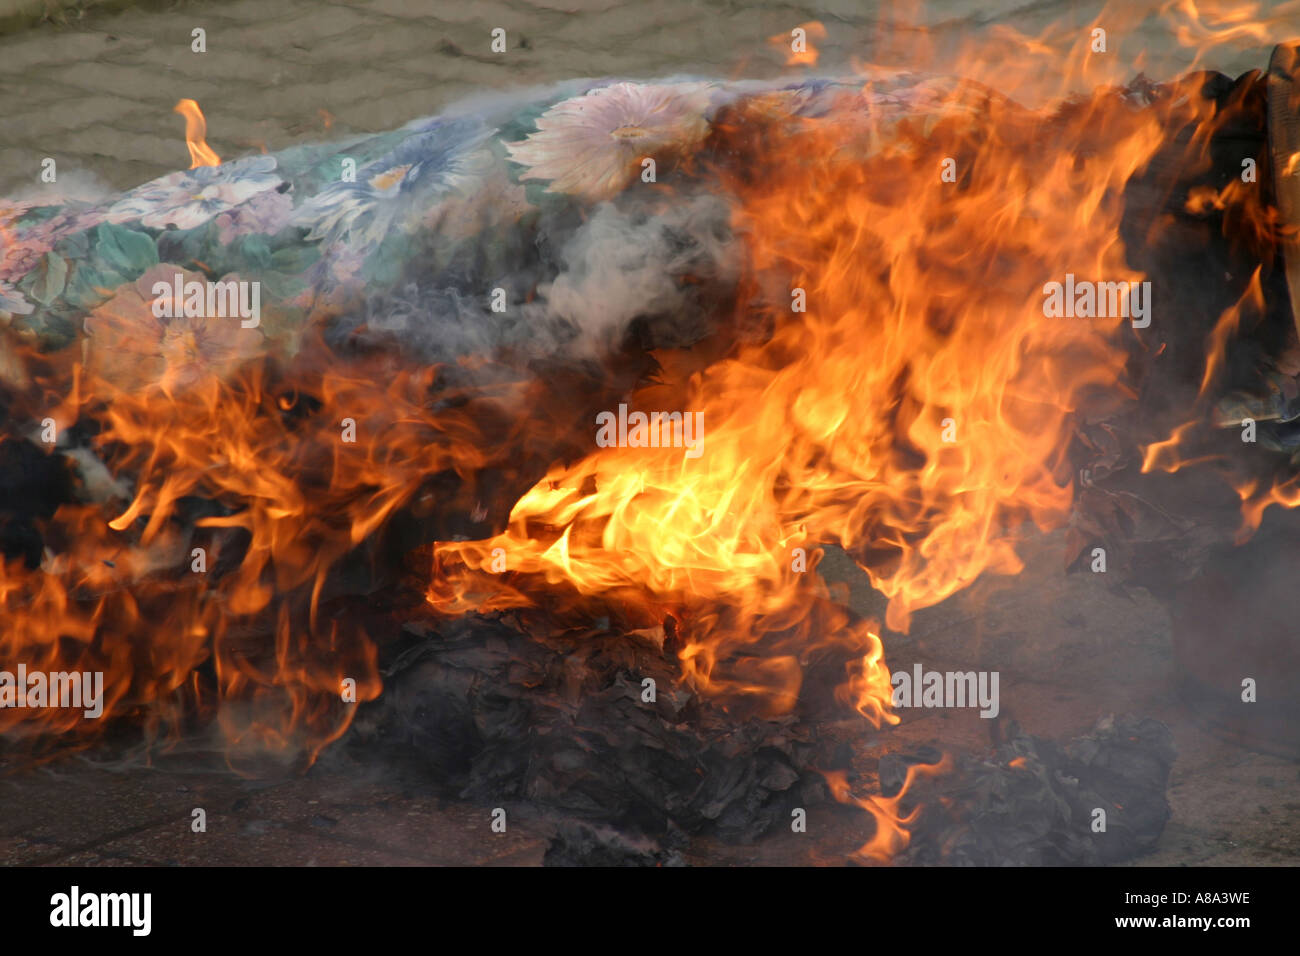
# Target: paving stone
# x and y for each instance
(493, 12)
(139, 82)
(371, 43)
(294, 31)
(260, 11)
(66, 115)
(24, 52)
(578, 6)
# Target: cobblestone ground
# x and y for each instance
(97, 95)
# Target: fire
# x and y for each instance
(915, 415)
(1211, 22)
(196, 131)
(124, 591)
(895, 390)
(1193, 442)
(892, 834)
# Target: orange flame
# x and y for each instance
(892, 827)
(121, 592)
(1256, 500)
(196, 130)
(916, 413)
(891, 385)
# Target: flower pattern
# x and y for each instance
(134, 349)
(266, 213)
(23, 242)
(13, 301)
(592, 146)
(428, 163)
(190, 198)
(441, 202)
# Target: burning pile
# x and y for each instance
(431, 360)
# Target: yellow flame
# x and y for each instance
(196, 129)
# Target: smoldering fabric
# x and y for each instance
(571, 285)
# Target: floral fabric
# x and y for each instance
(318, 226)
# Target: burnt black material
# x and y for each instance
(493, 715)
(1043, 810)
(33, 484)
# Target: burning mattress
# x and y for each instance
(439, 355)
(435, 203)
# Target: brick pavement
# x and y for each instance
(97, 94)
